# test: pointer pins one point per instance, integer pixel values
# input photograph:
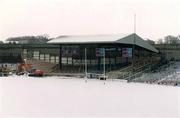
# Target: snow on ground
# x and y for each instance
(56, 97)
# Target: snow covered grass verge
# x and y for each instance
(72, 97)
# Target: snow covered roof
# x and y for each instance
(117, 38)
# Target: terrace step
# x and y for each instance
(47, 67)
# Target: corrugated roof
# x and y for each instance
(117, 38)
(88, 39)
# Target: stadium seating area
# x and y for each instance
(42, 65)
(131, 71)
(168, 74)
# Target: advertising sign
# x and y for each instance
(100, 52)
(126, 52)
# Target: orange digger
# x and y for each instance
(23, 68)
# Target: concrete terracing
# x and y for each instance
(47, 67)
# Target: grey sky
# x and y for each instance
(154, 18)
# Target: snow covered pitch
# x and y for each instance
(56, 97)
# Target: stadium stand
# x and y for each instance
(168, 74)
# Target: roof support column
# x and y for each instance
(60, 57)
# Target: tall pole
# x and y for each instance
(134, 23)
(134, 42)
(85, 62)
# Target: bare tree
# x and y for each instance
(41, 39)
(171, 39)
(160, 41)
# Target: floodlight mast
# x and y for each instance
(134, 42)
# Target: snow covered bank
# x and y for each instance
(54, 97)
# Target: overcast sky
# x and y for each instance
(154, 18)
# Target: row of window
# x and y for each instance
(117, 60)
(46, 57)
